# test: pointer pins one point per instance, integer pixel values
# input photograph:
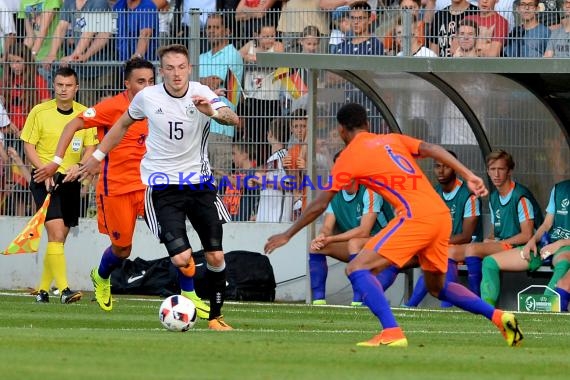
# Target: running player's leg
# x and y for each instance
(463, 298)
(116, 218)
(360, 274)
(396, 244)
(455, 253)
(168, 208)
(207, 213)
(433, 261)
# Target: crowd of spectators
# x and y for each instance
(95, 37)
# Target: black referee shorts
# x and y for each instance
(166, 211)
(65, 200)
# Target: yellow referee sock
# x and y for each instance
(47, 275)
(56, 262)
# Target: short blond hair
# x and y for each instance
(500, 155)
(173, 48)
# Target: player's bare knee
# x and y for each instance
(56, 235)
(353, 245)
(434, 290)
(352, 266)
(215, 258)
(564, 283)
(182, 259)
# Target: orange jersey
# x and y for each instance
(120, 170)
(386, 164)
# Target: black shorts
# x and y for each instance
(166, 211)
(64, 202)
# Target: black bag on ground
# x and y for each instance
(154, 277)
(249, 276)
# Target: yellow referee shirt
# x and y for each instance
(44, 126)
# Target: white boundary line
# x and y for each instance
(402, 310)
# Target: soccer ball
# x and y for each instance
(177, 313)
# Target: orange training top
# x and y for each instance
(120, 170)
(386, 164)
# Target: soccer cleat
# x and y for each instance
(218, 324)
(42, 297)
(102, 288)
(511, 330)
(319, 302)
(392, 337)
(356, 303)
(69, 296)
(202, 309)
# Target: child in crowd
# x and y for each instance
(467, 35)
(275, 197)
(296, 160)
(341, 24)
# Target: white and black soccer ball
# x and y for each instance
(177, 313)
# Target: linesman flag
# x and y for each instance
(233, 88)
(291, 81)
(28, 241)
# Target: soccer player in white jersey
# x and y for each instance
(176, 169)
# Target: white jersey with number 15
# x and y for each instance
(176, 145)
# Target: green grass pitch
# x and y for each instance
(271, 341)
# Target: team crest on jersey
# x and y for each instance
(190, 110)
(498, 218)
(563, 207)
(89, 112)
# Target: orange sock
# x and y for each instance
(190, 269)
(497, 314)
(393, 333)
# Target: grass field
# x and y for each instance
(271, 341)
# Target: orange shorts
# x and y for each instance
(117, 216)
(426, 237)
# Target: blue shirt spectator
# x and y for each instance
(137, 29)
(531, 37)
(527, 43)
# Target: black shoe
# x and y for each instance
(70, 296)
(42, 297)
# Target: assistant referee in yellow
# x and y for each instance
(40, 135)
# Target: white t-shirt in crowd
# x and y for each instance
(275, 205)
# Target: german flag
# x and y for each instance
(233, 88)
(291, 81)
(28, 241)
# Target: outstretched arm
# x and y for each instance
(111, 140)
(312, 212)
